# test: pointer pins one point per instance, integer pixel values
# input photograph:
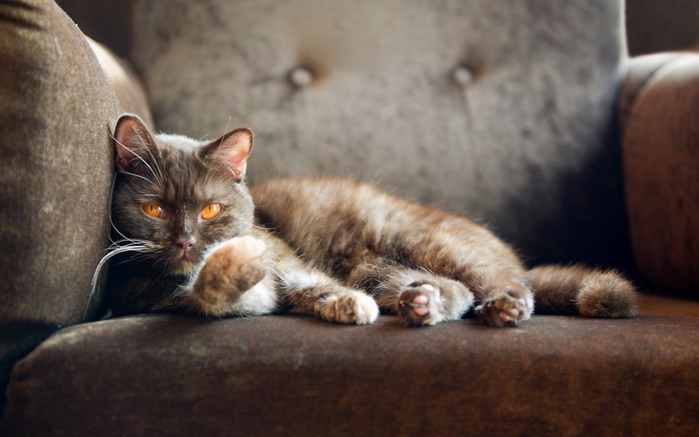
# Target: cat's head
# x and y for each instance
(179, 196)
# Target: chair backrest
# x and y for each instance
(501, 110)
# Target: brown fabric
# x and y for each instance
(282, 375)
(56, 166)
(659, 113)
(654, 26)
(56, 113)
(17, 339)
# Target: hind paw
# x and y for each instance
(507, 309)
(421, 304)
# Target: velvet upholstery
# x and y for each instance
(659, 112)
(543, 86)
(279, 375)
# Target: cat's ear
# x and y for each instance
(231, 151)
(132, 141)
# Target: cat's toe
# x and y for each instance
(238, 259)
(355, 308)
(420, 304)
(231, 269)
(507, 309)
(242, 249)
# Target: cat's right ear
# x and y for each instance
(132, 141)
(231, 151)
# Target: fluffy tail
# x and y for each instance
(581, 290)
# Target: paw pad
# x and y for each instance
(420, 304)
(504, 310)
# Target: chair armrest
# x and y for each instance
(659, 118)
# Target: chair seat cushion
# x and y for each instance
(285, 375)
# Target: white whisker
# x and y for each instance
(138, 176)
(143, 144)
(113, 251)
(111, 222)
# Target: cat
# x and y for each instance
(194, 239)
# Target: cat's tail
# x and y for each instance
(581, 290)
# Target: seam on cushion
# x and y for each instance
(652, 75)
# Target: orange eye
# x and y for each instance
(211, 211)
(152, 209)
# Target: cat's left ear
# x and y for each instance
(133, 142)
(231, 151)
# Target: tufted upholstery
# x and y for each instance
(526, 145)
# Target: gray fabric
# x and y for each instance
(56, 167)
(528, 147)
(554, 376)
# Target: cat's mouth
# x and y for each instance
(183, 266)
(183, 262)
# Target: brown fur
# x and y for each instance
(374, 241)
(581, 290)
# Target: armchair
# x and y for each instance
(528, 116)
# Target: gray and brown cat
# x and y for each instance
(193, 238)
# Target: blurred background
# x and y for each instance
(655, 26)
(651, 25)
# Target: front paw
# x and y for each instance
(229, 270)
(355, 308)
(506, 309)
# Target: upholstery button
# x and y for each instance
(300, 77)
(462, 76)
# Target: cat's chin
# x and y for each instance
(183, 267)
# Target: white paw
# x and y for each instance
(241, 249)
(354, 308)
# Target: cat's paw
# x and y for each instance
(506, 309)
(354, 308)
(231, 269)
(240, 249)
(421, 304)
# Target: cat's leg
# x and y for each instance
(581, 290)
(312, 292)
(503, 296)
(418, 297)
(234, 280)
(470, 254)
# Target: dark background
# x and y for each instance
(656, 26)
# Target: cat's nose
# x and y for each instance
(185, 244)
